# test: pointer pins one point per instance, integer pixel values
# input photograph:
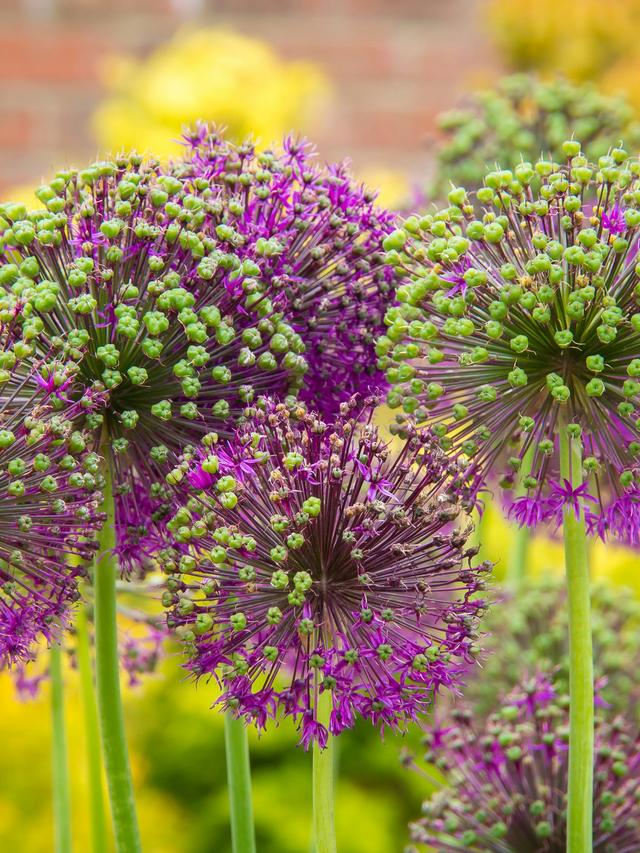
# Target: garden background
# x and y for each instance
(365, 79)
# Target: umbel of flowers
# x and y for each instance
(517, 335)
(314, 240)
(118, 279)
(521, 116)
(152, 293)
(114, 280)
(524, 318)
(506, 777)
(319, 560)
(529, 631)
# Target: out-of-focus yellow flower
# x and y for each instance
(607, 560)
(208, 74)
(581, 40)
(392, 185)
(624, 78)
(23, 194)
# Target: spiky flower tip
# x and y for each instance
(528, 632)
(50, 513)
(318, 558)
(316, 236)
(507, 779)
(116, 278)
(521, 320)
(522, 116)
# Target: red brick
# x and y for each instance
(343, 53)
(50, 57)
(107, 8)
(16, 128)
(393, 66)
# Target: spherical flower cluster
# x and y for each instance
(115, 279)
(521, 117)
(521, 325)
(206, 73)
(316, 237)
(507, 779)
(50, 512)
(315, 558)
(529, 632)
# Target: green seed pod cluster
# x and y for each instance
(521, 318)
(530, 632)
(155, 325)
(522, 117)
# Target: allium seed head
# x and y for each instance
(522, 116)
(316, 236)
(117, 279)
(507, 779)
(317, 557)
(529, 632)
(523, 319)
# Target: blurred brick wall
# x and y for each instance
(394, 65)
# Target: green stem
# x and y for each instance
(60, 768)
(239, 784)
(581, 721)
(324, 830)
(92, 734)
(517, 565)
(114, 744)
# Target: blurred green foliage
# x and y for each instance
(182, 742)
(177, 746)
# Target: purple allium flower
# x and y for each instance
(27, 683)
(317, 237)
(546, 332)
(175, 328)
(528, 632)
(294, 578)
(50, 512)
(507, 778)
(140, 654)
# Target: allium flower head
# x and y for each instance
(50, 511)
(524, 318)
(522, 116)
(507, 779)
(529, 632)
(317, 558)
(316, 237)
(173, 327)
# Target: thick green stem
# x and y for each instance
(114, 744)
(239, 784)
(581, 722)
(517, 565)
(324, 830)
(60, 767)
(92, 734)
